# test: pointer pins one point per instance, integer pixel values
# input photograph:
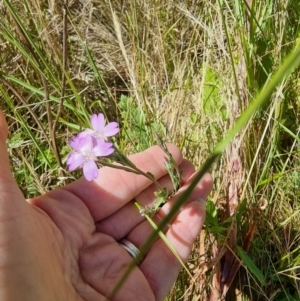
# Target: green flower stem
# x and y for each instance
(119, 157)
(132, 169)
(105, 163)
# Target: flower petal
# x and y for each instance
(90, 170)
(98, 122)
(103, 148)
(75, 160)
(111, 129)
(85, 133)
(70, 157)
(75, 142)
(87, 145)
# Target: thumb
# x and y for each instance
(5, 172)
(9, 190)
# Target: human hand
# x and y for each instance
(64, 245)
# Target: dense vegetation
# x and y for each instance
(186, 70)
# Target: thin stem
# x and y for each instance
(133, 169)
(104, 163)
(122, 159)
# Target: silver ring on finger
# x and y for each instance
(130, 248)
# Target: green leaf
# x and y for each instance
(161, 197)
(242, 209)
(251, 265)
(211, 214)
(15, 141)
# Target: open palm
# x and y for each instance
(64, 245)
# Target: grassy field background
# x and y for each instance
(186, 70)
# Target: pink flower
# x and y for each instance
(99, 129)
(90, 144)
(85, 153)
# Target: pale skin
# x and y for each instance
(64, 245)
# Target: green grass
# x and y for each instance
(187, 70)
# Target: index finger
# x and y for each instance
(114, 187)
